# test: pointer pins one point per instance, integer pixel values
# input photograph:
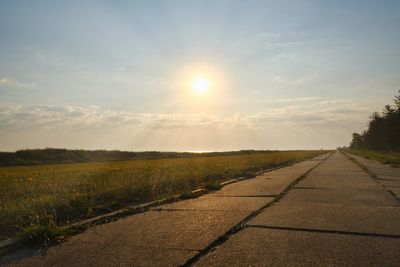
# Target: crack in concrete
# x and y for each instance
(259, 196)
(160, 247)
(199, 210)
(390, 175)
(312, 230)
(393, 195)
(309, 188)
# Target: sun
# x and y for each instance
(200, 84)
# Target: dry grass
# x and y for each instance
(33, 195)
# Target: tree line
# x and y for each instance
(383, 131)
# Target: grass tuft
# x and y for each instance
(43, 232)
(187, 195)
(213, 186)
(249, 174)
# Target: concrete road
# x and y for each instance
(336, 215)
(388, 177)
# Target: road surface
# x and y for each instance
(324, 211)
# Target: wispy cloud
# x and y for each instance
(47, 116)
(96, 118)
(278, 40)
(5, 82)
(297, 99)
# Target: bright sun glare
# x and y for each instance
(200, 84)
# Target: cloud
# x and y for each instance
(298, 99)
(95, 118)
(277, 40)
(296, 125)
(4, 82)
(334, 101)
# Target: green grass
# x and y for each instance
(42, 232)
(213, 186)
(390, 158)
(30, 195)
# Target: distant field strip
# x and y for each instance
(70, 192)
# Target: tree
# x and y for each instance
(397, 101)
(357, 142)
(383, 131)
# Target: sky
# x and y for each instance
(299, 74)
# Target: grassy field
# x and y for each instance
(65, 193)
(390, 158)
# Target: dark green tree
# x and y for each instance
(357, 142)
(383, 131)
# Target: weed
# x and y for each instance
(213, 186)
(43, 232)
(249, 174)
(188, 195)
